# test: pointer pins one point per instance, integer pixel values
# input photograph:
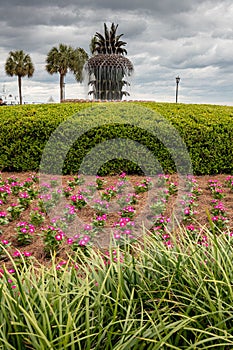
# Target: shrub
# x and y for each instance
(114, 137)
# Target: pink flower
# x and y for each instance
(60, 264)
(190, 227)
(5, 242)
(16, 254)
(127, 232)
(23, 195)
(27, 254)
(59, 237)
(168, 244)
(82, 242)
(157, 228)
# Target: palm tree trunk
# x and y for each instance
(62, 87)
(20, 89)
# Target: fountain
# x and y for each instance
(108, 70)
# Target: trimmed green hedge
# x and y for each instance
(111, 137)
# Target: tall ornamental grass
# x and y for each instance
(141, 296)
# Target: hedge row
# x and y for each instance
(107, 138)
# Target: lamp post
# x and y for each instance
(177, 83)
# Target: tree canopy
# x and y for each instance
(20, 64)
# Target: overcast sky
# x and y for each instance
(189, 38)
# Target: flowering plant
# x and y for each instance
(158, 207)
(99, 220)
(127, 212)
(15, 187)
(162, 180)
(32, 193)
(99, 183)
(129, 199)
(91, 187)
(69, 213)
(3, 218)
(37, 217)
(109, 193)
(160, 222)
(216, 189)
(12, 179)
(35, 178)
(78, 201)
(22, 258)
(82, 239)
(220, 222)
(67, 191)
(193, 232)
(15, 211)
(24, 199)
(5, 190)
(56, 195)
(229, 182)
(27, 183)
(24, 232)
(76, 181)
(101, 206)
(144, 186)
(59, 223)
(45, 202)
(218, 208)
(53, 237)
(172, 187)
(188, 213)
(3, 244)
(123, 229)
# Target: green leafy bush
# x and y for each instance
(117, 137)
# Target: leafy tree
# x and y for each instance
(64, 58)
(20, 64)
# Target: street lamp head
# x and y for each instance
(177, 79)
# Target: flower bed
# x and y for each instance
(31, 224)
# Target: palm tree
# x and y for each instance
(107, 67)
(79, 59)
(20, 64)
(63, 59)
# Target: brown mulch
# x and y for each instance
(86, 214)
